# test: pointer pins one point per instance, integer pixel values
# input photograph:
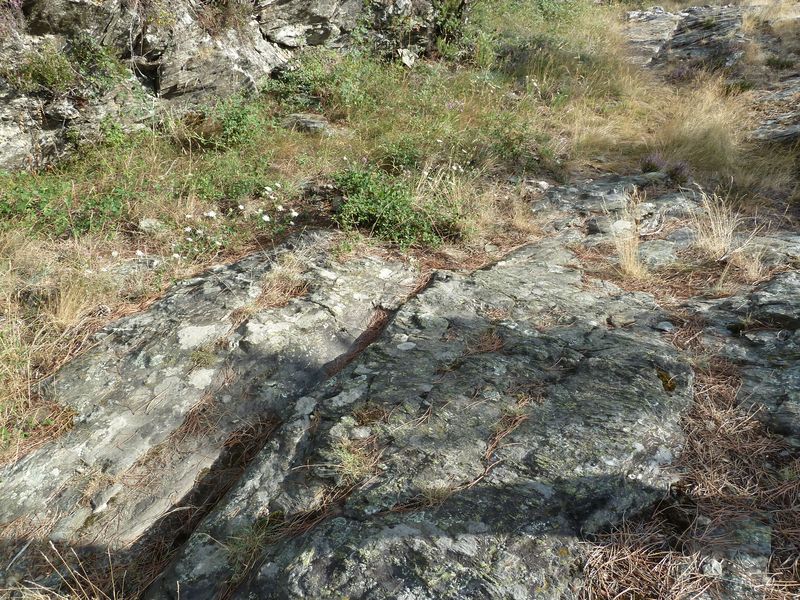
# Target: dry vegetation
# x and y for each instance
(736, 476)
(535, 89)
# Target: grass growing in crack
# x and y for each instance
(626, 240)
(76, 581)
(716, 226)
(284, 281)
(203, 357)
(355, 461)
(719, 235)
(245, 547)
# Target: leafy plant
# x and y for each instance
(57, 71)
(386, 208)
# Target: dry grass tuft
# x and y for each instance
(705, 127)
(283, 282)
(626, 241)
(488, 341)
(77, 581)
(716, 227)
(355, 462)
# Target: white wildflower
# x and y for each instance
(139, 253)
(187, 229)
(265, 218)
(241, 207)
(293, 213)
(114, 254)
(280, 208)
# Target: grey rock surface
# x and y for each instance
(163, 395)
(308, 122)
(781, 106)
(760, 332)
(295, 23)
(508, 419)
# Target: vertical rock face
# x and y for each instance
(187, 52)
(294, 23)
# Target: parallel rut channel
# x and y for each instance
(104, 508)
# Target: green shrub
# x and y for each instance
(45, 204)
(57, 71)
(402, 153)
(97, 67)
(386, 207)
(47, 69)
(329, 81)
(240, 121)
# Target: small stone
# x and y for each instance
(664, 326)
(151, 226)
(306, 122)
(597, 225)
(405, 346)
(407, 57)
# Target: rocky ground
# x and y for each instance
(307, 424)
(181, 55)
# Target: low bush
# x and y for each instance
(388, 209)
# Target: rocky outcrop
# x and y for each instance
(500, 417)
(760, 332)
(371, 435)
(175, 54)
(175, 396)
(713, 38)
(700, 37)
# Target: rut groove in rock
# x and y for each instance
(477, 390)
(189, 379)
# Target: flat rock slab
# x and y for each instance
(760, 332)
(166, 395)
(500, 417)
